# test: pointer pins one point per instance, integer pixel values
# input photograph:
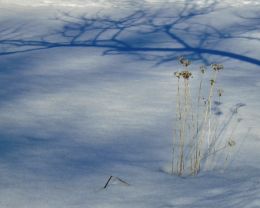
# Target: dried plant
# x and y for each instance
(198, 139)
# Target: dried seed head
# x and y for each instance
(231, 143)
(183, 61)
(204, 100)
(212, 82)
(202, 69)
(217, 67)
(220, 92)
(177, 74)
(186, 74)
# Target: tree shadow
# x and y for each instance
(61, 156)
(158, 36)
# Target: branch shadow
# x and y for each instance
(158, 36)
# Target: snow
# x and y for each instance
(119, 3)
(73, 113)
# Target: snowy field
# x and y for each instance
(87, 91)
(120, 3)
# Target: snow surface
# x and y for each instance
(119, 3)
(75, 110)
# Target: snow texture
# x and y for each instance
(87, 92)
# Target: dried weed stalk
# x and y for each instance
(198, 139)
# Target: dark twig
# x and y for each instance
(116, 178)
(108, 182)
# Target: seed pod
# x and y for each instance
(231, 143)
(212, 82)
(183, 61)
(186, 74)
(202, 69)
(177, 74)
(217, 67)
(220, 92)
